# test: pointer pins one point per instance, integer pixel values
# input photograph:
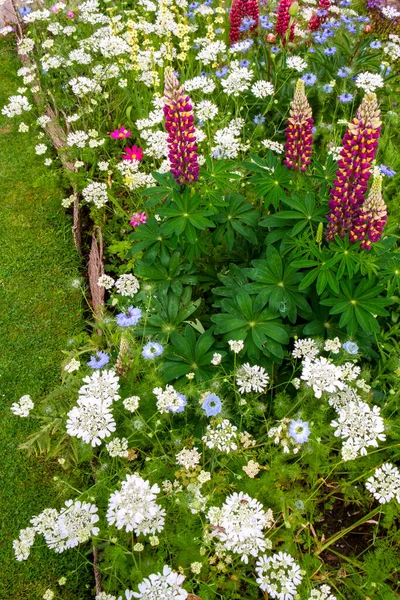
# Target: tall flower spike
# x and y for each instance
(298, 145)
(178, 113)
(239, 10)
(360, 143)
(372, 216)
(283, 18)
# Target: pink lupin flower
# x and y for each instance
(372, 216)
(179, 123)
(239, 10)
(299, 139)
(360, 144)
(120, 134)
(137, 219)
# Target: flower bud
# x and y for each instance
(294, 9)
(367, 28)
(271, 38)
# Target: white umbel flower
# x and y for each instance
(236, 345)
(322, 376)
(384, 484)
(369, 82)
(262, 89)
(160, 586)
(251, 379)
(296, 63)
(222, 436)
(23, 407)
(306, 348)
(238, 525)
(118, 447)
(96, 192)
(134, 507)
(279, 575)
(323, 593)
(188, 458)
(360, 426)
(127, 285)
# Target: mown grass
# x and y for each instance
(39, 312)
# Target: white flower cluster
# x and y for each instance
(279, 575)
(97, 193)
(165, 586)
(168, 399)
(209, 52)
(134, 507)
(384, 484)
(237, 81)
(74, 524)
(91, 419)
(23, 407)
(333, 346)
(227, 144)
(118, 447)
(296, 63)
(305, 348)
(238, 525)
(322, 376)
(131, 403)
(188, 458)
(274, 146)
(16, 106)
(205, 84)
(206, 110)
(369, 82)
(77, 138)
(324, 593)
(360, 426)
(262, 89)
(127, 285)
(72, 366)
(392, 47)
(221, 436)
(251, 379)
(82, 86)
(105, 281)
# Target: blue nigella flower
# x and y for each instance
(99, 362)
(247, 22)
(152, 349)
(24, 10)
(314, 130)
(350, 347)
(375, 45)
(327, 88)
(212, 405)
(194, 5)
(320, 37)
(130, 317)
(207, 3)
(309, 78)
(258, 119)
(312, 50)
(244, 63)
(190, 15)
(345, 98)
(345, 3)
(222, 72)
(182, 407)
(299, 431)
(330, 51)
(344, 72)
(387, 171)
(275, 49)
(351, 29)
(265, 22)
(321, 12)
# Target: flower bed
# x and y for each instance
(239, 385)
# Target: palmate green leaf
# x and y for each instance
(303, 213)
(168, 271)
(188, 353)
(359, 305)
(164, 191)
(269, 185)
(148, 239)
(184, 213)
(171, 310)
(245, 317)
(236, 216)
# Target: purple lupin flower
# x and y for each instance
(371, 220)
(360, 143)
(299, 131)
(179, 123)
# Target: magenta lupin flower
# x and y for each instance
(179, 123)
(360, 143)
(372, 216)
(299, 139)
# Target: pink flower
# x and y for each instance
(70, 14)
(133, 153)
(54, 9)
(120, 134)
(137, 219)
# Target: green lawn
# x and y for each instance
(39, 312)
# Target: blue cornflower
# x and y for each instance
(207, 3)
(193, 6)
(265, 22)
(351, 29)
(130, 317)
(190, 15)
(345, 98)
(218, 31)
(212, 405)
(345, 3)
(299, 431)
(330, 51)
(350, 347)
(99, 362)
(387, 171)
(363, 19)
(275, 49)
(246, 23)
(258, 119)
(182, 407)
(345, 19)
(222, 72)
(344, 72)
(327, 88)
(312, 50)
(321, 37)
(321, 12)
(375, 45)
(244, 63)
(309, 78)
(24, 10)
(314, 130)
(152, 349)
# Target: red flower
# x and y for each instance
(120, 133)
(133, 153)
